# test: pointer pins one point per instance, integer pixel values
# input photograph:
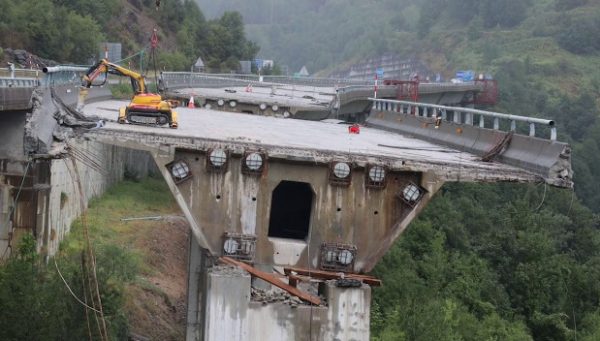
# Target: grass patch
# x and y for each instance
(149, 197)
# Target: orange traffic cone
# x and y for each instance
(191, 104)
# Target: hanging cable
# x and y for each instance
(572, 199)
(71, 291)
(543, 197)
(89, 274)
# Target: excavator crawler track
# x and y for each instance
(146, 118)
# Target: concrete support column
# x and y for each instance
(349, 313)
(194, 293)
(227, 303)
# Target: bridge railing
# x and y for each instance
(461, 115)
(178, 79)
(20, 73)
(317, 81)
(191, 79)
(63, 75)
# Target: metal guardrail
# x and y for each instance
(208, 79)
(461, 115)
(309, 81)
(189, 79)
(64, 77)
(316, 81)
(18, 82)
(20, 73)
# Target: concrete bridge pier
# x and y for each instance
(358, 216)
(222, 306)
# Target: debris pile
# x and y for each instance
(275, 295)
(27, 60)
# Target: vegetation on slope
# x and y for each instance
(493, 262)
(141, 268)
(72, 30)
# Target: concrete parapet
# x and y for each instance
(15, 98)
(551, 160)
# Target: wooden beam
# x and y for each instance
(293, 280)
(370, 280)
(273, 279)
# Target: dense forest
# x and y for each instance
(70, 31)
(483, 262)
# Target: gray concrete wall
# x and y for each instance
(56, 200)
(12, 130)
(65, 200)
(15, 98)
(55, 196)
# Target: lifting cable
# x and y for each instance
(153, 47)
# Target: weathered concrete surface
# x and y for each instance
(51, 199)
(50, 108)
(229, 303)
(349, 313)
(195, 292)
(228, 296)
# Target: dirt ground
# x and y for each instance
(157, 302)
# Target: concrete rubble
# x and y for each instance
(274, 295)
(52, 121)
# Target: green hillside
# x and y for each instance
(70, 31)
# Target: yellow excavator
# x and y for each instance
(145, 108)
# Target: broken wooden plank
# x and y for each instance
(370, 280)
(274, 280)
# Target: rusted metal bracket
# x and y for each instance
(274, 280)
(498, 148)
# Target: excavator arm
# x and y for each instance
(104, 66)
